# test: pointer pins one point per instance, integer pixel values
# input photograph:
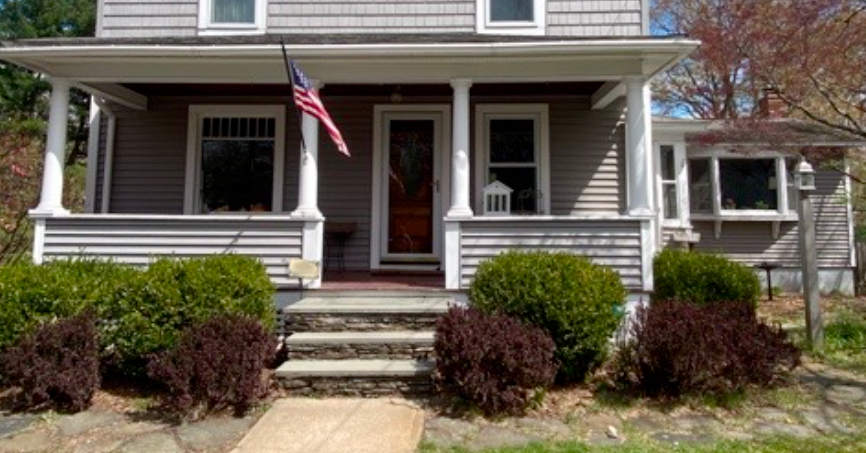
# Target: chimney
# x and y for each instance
(771, 105)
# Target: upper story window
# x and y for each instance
(231, 16)
(512, 17)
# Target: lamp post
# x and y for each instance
(805, 181)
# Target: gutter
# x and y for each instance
(320, 51)
(107, 170)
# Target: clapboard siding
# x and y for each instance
(150, 158)
(158, 18)
(587, 169)
(137, 240)
(615, 243)
(753, 243)
(595, 18)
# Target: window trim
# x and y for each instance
(537, 112)
(681, 182)
(208, 28)
(536, 27)
(192, 178)
(781, 213)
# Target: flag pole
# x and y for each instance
(298, 112)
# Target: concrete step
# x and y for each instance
(356, 377)
(371, 305)
(400, 345)
(364, 314)
(293, 369)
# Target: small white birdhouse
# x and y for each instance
(497, 199)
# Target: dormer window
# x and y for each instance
(227, 17)
(511, 17)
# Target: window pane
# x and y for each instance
(237, 175)
(512, 141)
(511, 11)
(526, 198)
(669, 193)
(700, 188)
(234, 11)
(793, 193)
(667, 163)
(748, 183)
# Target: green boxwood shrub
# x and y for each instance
(139, 311)
(702, 278)
(577, 302)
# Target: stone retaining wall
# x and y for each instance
(358, 322)
(361, 351)
(357, 386)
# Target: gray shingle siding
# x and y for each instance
(156, 18)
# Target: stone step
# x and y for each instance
(356, 377)
(400, 345)
(364, 314)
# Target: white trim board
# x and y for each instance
(537, 112)
(442, 114)
(197, 113)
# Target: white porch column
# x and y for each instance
(308, 176)
(638, 144)
(460, 150)
(51, 201)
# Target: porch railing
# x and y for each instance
(137, 239)
(623, 243)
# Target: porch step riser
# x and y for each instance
(361, 351)
(359, 322)
(369, 387)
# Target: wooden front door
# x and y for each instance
(410, 188)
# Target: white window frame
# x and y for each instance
(536, 27)
(680, 181)
(207, 27)
(197, 114)
(538, 112)
(782, 212)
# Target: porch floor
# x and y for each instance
(352, 280)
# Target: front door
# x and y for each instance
(410, 189)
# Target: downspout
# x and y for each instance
(107, 170)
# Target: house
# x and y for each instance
(196, 148)
(728, 187)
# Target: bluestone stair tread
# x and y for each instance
(337, 338)
(372, 305)
(354, 368)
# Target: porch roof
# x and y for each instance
(348, 58)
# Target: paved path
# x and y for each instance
(297, 425)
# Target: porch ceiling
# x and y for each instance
(347, 61)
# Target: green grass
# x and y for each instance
(840, 444)
(844, 342)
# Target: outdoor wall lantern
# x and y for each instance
(805, 176)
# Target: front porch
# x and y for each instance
(425, 143)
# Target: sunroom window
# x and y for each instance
(724, 184)
(235, 159)
(514, 141)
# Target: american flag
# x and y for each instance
(307, 99)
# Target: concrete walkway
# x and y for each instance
(300, 425)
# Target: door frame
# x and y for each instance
(441, 114)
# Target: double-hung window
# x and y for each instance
(232, 16)
(725, 184)
(235, 159)
(519, 17)
(513, 148)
